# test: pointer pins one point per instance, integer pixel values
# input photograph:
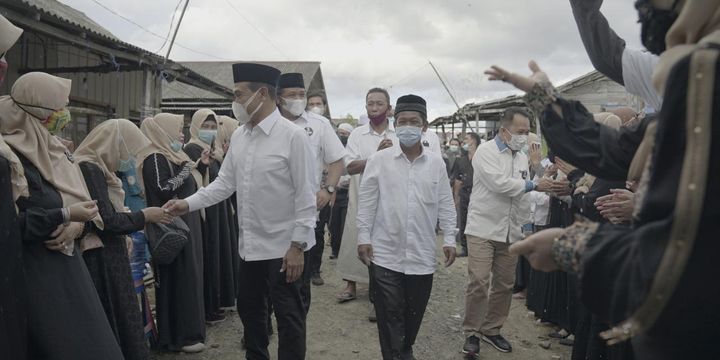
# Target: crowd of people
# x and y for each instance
(604, 225)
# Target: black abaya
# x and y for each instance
(218, 257)
(66, 320)
(179, 285)
(109, 267)
(13, 318)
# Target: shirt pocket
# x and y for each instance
(427, 191)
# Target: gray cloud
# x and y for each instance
(369, 43)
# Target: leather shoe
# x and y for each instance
(498, 342)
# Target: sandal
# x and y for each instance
(345, 296)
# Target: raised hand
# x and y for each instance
(524, 83)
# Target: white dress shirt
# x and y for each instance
(399, 204)
(271, 167)
(431, 141)
(325, 143)
(637, 70)
(364, 141)
(499, 203)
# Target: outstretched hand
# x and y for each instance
(524, 83)
(537, 249)
(177, 207)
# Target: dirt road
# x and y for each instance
(342, 331)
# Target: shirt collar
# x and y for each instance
(398, 151)
(390, 128)
(500, 144)
(267, 124)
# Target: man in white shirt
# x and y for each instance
(405, 190)
(329, 153)
(498, 209)
(430, 140)
(271, 166)
(364, 141)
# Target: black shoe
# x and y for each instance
(472, 346)
(317, 280)
(333, 256)
(498, 342)
(212, 319)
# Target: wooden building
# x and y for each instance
(111, 78)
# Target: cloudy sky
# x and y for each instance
(368, 43)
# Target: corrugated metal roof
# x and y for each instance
(221, 73)
(68, 14)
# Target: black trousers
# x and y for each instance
(462, 219)
(400, 302)
(337, 220)
(262, 280)
(315, 254)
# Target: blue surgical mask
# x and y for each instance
(408, 135)
(176, 146)
(126, 165)
(466, 147)
(207, 136)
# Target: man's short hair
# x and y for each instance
(255, 86)
(509, 115)
(475, 137)
(378, 90)
(317, 94)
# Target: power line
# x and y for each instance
(172, 20)
(407, 76)
(153, 33)
(257, 30)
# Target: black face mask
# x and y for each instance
(343, 140)
(654, 24)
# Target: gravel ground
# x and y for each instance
(342, 331)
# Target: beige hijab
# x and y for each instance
(26, 135)
(9, 34)
(195, 125)
(161, 130)
(105, 146)
(226, 128)
(698, 23)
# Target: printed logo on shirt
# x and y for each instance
(524, 174)
(309, 131)
(426, 143)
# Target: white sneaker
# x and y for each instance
(195, 348)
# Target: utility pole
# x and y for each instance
(465, 122)
(182, 14)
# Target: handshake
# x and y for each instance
(176, 207)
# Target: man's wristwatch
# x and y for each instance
(330, 189)
(299, 245)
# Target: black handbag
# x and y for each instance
(166, 241)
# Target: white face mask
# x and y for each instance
(240, 110)
(320, 110)
(517, 142)
(294, 106)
